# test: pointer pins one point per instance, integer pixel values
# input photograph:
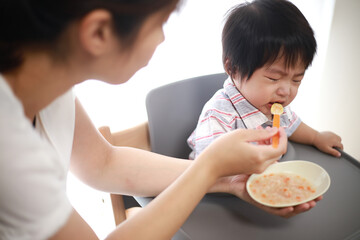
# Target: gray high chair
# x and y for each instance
(173, 111)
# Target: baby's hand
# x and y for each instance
(326, 141)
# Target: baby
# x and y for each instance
(267, 46)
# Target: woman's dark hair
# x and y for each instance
(29, 22)
(259, 32)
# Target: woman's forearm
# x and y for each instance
(119, 169)
(139, 173)
(171, 208)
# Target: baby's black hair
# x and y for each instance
(260, 32)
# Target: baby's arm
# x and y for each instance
(324, 141)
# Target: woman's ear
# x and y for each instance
(96, 32)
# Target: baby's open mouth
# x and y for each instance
(279, 102)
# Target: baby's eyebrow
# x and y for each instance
(299, 74)
(283, 73)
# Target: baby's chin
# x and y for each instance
(266, 112)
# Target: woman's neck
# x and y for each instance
(39, 81)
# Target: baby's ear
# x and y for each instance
(227, 66)
(228, 69)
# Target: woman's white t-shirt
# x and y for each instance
(33, 166)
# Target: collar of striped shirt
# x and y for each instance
(250, 115)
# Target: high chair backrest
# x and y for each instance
(173, 111)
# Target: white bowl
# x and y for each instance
(312, 172)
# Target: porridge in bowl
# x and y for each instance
(281, 188)
(288, 183)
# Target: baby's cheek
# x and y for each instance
(294, 91)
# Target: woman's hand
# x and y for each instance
(243, 151)
(326, 141)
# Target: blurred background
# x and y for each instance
(328, 98)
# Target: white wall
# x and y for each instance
(339, 108)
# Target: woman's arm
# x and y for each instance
(138, 172)
(228, 155)
(119, 169)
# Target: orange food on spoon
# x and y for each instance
(276, 109)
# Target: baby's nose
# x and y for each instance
(284, 89)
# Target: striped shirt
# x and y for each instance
(228, 110)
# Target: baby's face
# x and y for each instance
(272, 84)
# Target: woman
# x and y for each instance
(46, 48)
